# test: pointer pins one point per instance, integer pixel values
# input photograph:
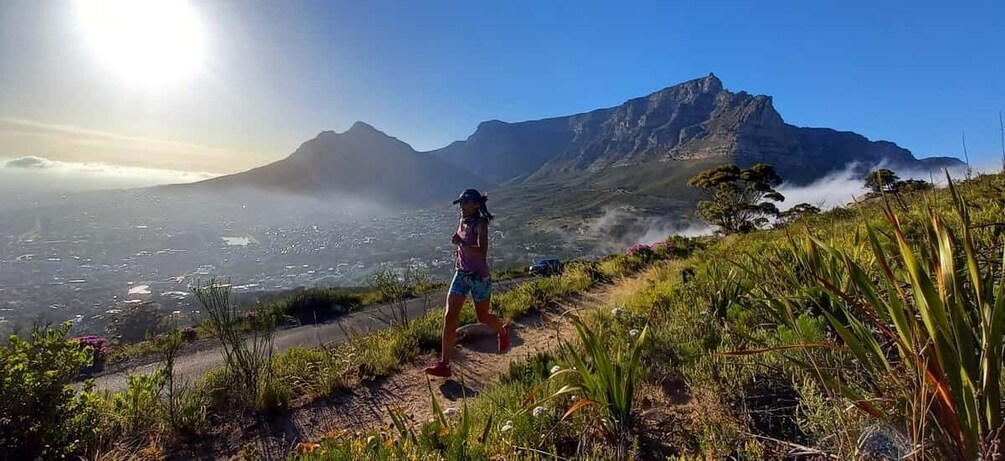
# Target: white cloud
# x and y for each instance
(622, 226)
(91, 175)
(30, 161)
(840, 188)
(74, 144)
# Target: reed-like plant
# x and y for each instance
(604, 376)
(247, 356)
(930, 317)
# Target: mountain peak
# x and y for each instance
(711, 82)
(361, 127)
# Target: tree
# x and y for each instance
(913, 185)
(738, 200)
(882, 180)
(796, 213)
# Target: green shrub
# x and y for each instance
(318, 304)
(41, 416)
(137, 409)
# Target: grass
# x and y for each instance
(863, 322)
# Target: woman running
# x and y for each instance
(472, 276)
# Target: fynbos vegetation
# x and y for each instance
(868, 332)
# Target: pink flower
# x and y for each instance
(640, 248)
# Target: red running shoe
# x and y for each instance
(504, 340)
(441, 370)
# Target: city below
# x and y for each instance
(88, 257)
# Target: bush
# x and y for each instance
(137, 410)
(189, 334)
(312, 305)
(41, 416)
(98, 346)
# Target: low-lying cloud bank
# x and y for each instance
(618, 227)
(42, 174)
(30, 161)
(79, 145)
(840, 188)
(621, 226)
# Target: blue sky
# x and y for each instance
(275, 73)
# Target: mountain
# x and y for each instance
(697, 119)
(647, 146)
(361, 162)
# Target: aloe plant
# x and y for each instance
(940, 311)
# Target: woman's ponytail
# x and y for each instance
(483, 210)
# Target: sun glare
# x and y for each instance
(149, 41)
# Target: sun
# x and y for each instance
(147, 41)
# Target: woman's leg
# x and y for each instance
(450, 315)
(486, 317)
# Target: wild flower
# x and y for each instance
(305, 447)
(97, 343)
(508, 426)
(633, 332)
(249, 314)
(637, 249)
(539, 411)
(555, 369)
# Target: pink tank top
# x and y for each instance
(467, 259)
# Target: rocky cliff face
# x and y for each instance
(697, 119)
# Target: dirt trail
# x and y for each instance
(193, 364)
(366, 407)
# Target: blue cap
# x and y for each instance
(469, 194)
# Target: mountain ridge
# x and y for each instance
(694, 120)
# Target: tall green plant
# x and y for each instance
(940, 311)
(605, 376)
(247, 358)
(395, 292)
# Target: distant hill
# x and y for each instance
(361, 162)
(646, 146)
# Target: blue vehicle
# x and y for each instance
(546, 267)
